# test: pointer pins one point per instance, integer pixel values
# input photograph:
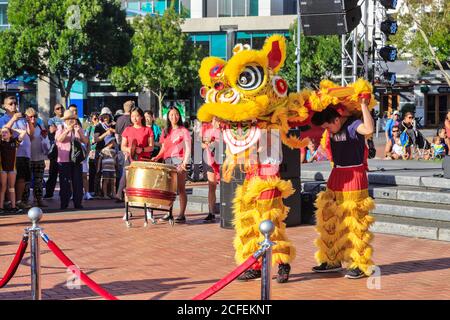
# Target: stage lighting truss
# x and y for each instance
(388, 53)
(389, 4)
(389, 27)
(390, 77)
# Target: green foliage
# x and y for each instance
(320, 58)
(435, 22)
(70, 39)
(163, 57)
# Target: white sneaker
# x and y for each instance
(149, 214)
(87, 196)
(125, 216)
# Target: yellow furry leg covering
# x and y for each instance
(250, 211)
(332, 241)
(343, 223)
(358, 221)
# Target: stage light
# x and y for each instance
(388, 53)
(389, 4)
(389, 27)
(390, 77)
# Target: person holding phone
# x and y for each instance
(13, 119)
(40, 146)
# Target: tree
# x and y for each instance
(431, 45)
(62, 41)
(320, 58)
(163, 57)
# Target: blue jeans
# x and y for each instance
(70, 179)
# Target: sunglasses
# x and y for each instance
(32, 116)
(394, 130)
(12, 104)
(60, 108)
(409, 117)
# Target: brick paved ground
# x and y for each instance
(160, 262)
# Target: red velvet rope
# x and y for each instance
(16, 261)
(226, 280)
(69, 264)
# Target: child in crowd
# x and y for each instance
(398, 151)
(8, 149)
(107, 165)
(315, 154)
(438, 148)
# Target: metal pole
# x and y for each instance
(298, 45)
(35, 214)
(366, 39)
(343, 60)
(355, 54)
(266, 228)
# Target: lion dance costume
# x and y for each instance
(251, 103)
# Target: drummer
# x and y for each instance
(176, 150)
(137, 139)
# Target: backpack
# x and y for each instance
(77, 152)
(404, 138)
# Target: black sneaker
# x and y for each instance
(15, 211)
(283, 273)
(324, 267)
(354, 274)
(209, 218)
(250, 275)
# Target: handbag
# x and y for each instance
(53, 152)
(77, 152)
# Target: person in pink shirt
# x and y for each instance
(70, 173)
(176, 150)
(210, 135)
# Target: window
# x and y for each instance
(225, 8)
(160, 6)
(252, 8)
(283, 7)
(239, 8)
(210, 8)
(230, 8)
(185, 6)
(3, 15)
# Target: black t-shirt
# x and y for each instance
(122, 123)
(8, 151)
(347, 145)
(100, 130)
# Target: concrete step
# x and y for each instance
(396, 178)
(411, 194)
(411, 227)
(408, 209)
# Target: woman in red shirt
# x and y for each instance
(137, 139)
(176, 150)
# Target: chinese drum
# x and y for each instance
(151, 183)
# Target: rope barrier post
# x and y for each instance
(35, 215)
(266, 228)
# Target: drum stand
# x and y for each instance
(152, 219)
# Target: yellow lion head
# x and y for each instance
(245, 87)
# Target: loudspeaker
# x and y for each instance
(226, 198)
(294, 217)
(290, 165)
(308, 208)
(326, 6)
(331, 23)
